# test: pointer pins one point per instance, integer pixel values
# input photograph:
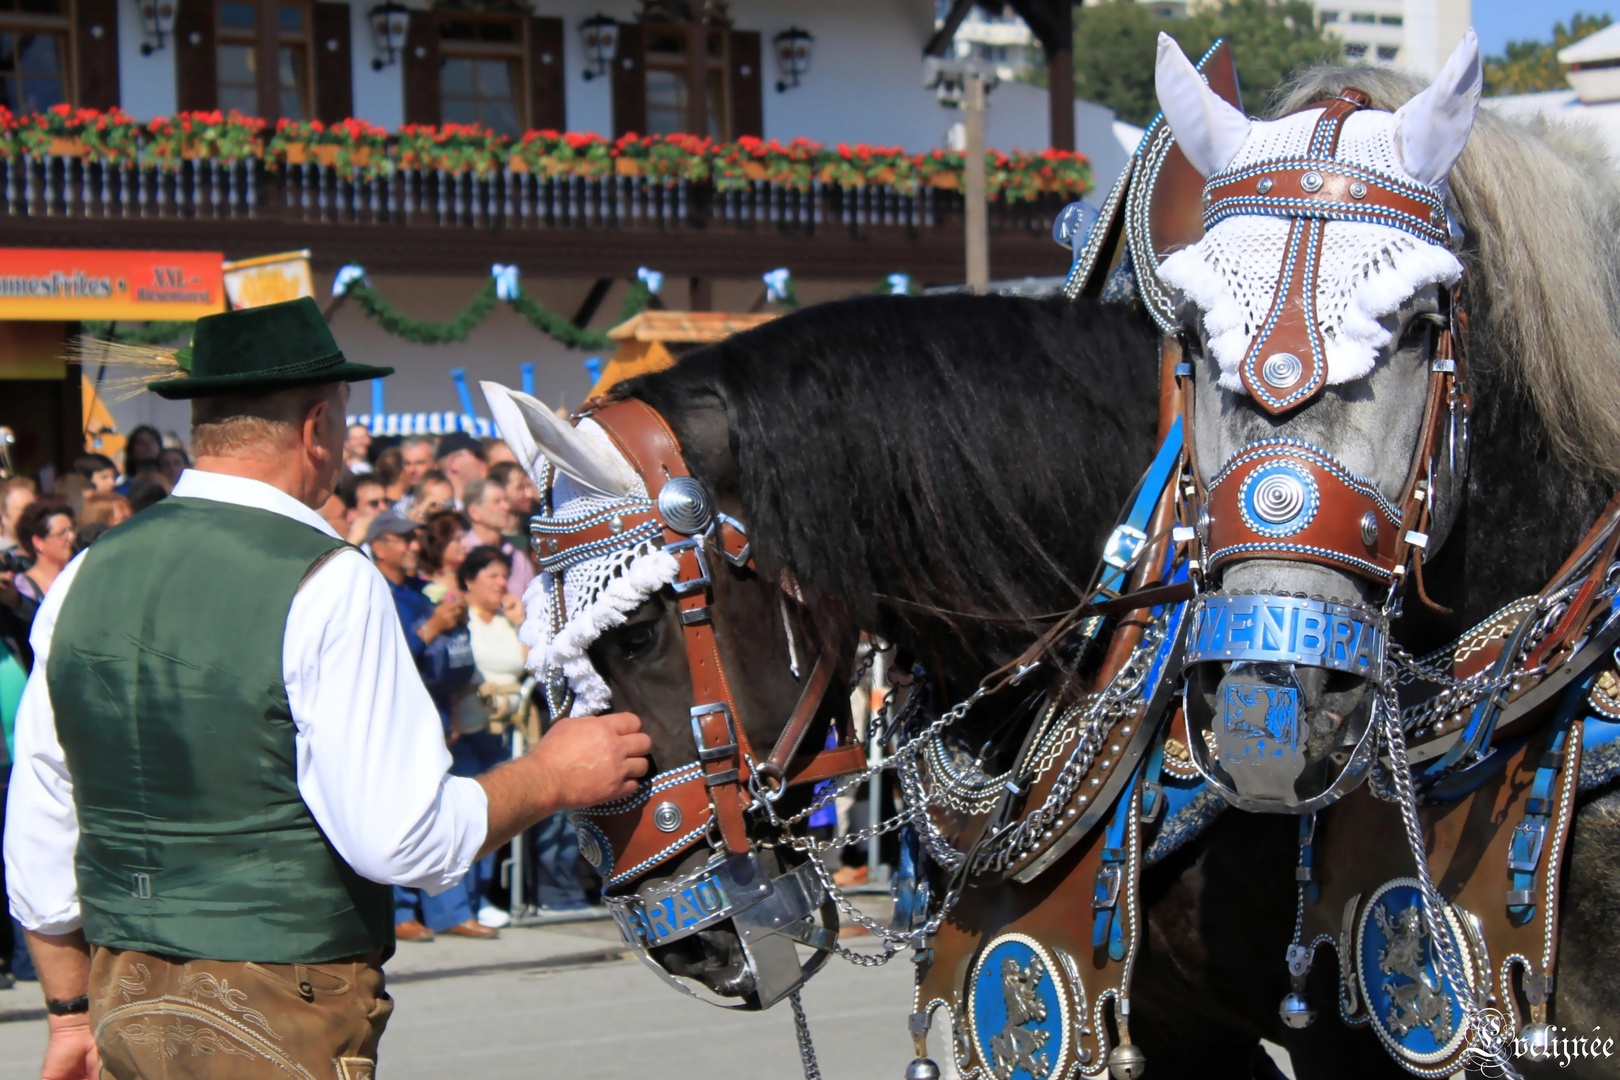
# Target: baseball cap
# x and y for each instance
(389, 523)
(458, 440)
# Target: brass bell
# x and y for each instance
(1296, 1012)
(1127, 1062)
(922, 1069)
(1537, 1039)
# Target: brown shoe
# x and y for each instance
(412, 931)
(472, 929)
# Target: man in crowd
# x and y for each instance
(362, 498)
(437, 638)
(461, 460)
(521, 495)
(225, 757)
(99, 472)
(356, 447)
(433, 494)
(416, 460)
(491, 519)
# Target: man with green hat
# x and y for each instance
(226, 758)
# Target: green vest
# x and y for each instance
(165, 674)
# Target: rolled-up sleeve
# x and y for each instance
(372, 763)
(42, 825)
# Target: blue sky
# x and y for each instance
(1499, 21)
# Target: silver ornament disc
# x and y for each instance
(684, 505)
(1279, 498)
(667, 817)
(1282, 370)
(1264, 185)
(1369, 528)
(1311, 181)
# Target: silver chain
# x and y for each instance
(807, 1049)
(1434, 906)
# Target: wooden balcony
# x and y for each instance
(423, 221)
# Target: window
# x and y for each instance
(1356, 51)
(1363, 17)
(669, 81)
(34, 55)
(481, 72)
(1391, 20)
(1387, 52)
(1330, 16)
(237, 54)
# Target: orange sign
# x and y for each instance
(38, 283)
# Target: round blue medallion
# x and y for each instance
(1018, 1010)
(1278, 499)
(1413, 1006)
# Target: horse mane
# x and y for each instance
(1540, 208)
(952, 460)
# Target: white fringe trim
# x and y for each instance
(569, 650)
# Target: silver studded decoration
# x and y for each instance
(667, 817)
(1311, 181)
(684, 505)
(1369, 528)
(1264, 185)
(1282, 370)
(1358, 190)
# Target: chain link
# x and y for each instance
(807, 1049)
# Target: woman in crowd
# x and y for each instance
(45, 532)
(443, 552)
(481, 710)
(142, 451)
(171, 463)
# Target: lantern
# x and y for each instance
(599, 35)
(390, 22)
(793, 47)
(157, 23)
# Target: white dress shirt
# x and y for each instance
(372, 763)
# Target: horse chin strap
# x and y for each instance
(707, 800)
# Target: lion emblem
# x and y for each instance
(1420, 1002)
(1020, 1047)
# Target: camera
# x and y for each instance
(15, 562)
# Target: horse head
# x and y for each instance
(1328, 422)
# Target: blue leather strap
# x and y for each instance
(1108, 923)
(1154, 480)
(1529, 838)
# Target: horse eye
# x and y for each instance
(637, 638)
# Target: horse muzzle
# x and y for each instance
(769, 916)
(1279, 698)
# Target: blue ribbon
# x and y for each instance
(900, 284)
(506, 281)
(776, 284)
(347, 276)
(653, 279)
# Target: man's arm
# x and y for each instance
(372, 764)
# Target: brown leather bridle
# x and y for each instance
(709, 798)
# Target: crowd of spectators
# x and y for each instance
(444, 521)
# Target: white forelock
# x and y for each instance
(1367, 271)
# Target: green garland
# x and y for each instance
(549, 322)
(421, 331)
(146, 333)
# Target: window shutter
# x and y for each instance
(96, 36)
(630, 81)
(196, 68)
(747, 99)
(422, 69)
(547, 89)
(334, 71)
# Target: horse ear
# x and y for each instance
(1432, 129)
(532, 430)
(1208, 130)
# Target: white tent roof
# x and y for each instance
(1603, 45)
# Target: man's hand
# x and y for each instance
(451, 613)
(581, 761)
(71, 1053)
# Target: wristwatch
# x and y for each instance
(80, 1004)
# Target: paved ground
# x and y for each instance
(608, 1021)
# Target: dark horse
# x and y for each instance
(940, 471)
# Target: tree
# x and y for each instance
(1529, 67)
(1115, 43)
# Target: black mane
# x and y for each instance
(912, 460)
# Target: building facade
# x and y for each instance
(1414, 34)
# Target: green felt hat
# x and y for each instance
(259, 351)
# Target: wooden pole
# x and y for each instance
(977, 215)
(1060, 70)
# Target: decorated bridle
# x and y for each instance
(706, 800)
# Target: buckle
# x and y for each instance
(1106, 893)
(1123, 546)
(1524, 849)
(702, 581)
(742, 557)
(707, 753)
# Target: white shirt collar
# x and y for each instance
(240, 491)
